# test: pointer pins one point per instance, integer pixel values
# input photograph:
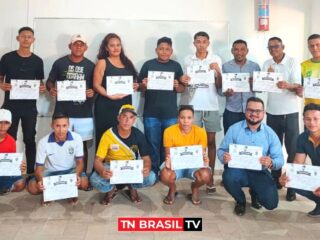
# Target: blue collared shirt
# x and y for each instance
(264, 137)
(237, 102)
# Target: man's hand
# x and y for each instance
(168, 162)
(146, 171)
(317, 192)
(283, 85)
(135, 87)
(42, 88)
(106, 174)
(23, 167)
(145, 82)
(89, 93)
(78, 183)
(53, 92)
(283, 179)
(226, 158)
(40, 186)
(266, 161)
(229, 92)
(185, 79)
(175, 84)
(215, 67)
(5, 86)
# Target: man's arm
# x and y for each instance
(99, 168)
(146, 165)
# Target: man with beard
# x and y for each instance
(252, 132)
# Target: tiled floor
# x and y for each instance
(22, 217)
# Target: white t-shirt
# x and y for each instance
(203, 97)
(58, 156)
(286, 102)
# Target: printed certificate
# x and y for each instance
(10, 164)
(126, 171)
(24, 89)
(119, 85)
(69, 90)
(311, 87)
(305, 177)
(160, 80)
(245, 157)
(239, 82)
(200, 74)
(186, 157)
(60, 187)
(267, 81)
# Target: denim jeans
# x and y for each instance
(28, 125)
(153, 129)
(307, 194)
(104, 185)
(286, 127)
(260, 182)
(230, 118)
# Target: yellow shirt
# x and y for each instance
(310, 69)
(173, 137)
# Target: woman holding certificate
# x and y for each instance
(112, 62)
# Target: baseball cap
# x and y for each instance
(128, 108)
(78, 37)
(5, 115)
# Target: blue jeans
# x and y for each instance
(7, 182)
(230, 118)
(104, 186)
(260, 182)
(307, 194)
(153, 129)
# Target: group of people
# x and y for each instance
(195, 122)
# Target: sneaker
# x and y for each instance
(240, 209)
(291, 195)
(315, 212)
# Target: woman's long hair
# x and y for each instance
(103, 53)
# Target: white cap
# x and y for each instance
(5, 115)
(78, 37)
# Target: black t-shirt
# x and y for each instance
(13, 66)
(136, 142)
(160, 104)
(65, 69)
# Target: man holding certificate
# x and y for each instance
(59, 153)
(236, 101)
(203, 95)
(283, 108)
(70, 80)
(8, 146)
(160, 107)
(23, 65)
(183, 137)
(256, 136)
(123, 143)
(308, 144)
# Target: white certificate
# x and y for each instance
(60, 187)
(311, 87)
(200, 74)
(69, 90)
(119, 85)
(239, 82)
(160, 80)
(305, 177)
(10, 164)
(245, 157)
(126, 171)
(24, 89)
(267, 81)
(186, 157)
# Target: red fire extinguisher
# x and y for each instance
(263, 15)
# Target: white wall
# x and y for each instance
(292, 20)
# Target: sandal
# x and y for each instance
(134, 196)
(211, 189)
(109, 197)
(194, 202)
(45, 204)
(73, 201)
(168, 200)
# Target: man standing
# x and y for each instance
(59, 152)
(311, 67)
(75, 67)
(252, 132)
(160, 107)
(309, 145)
(22, 64)
(184, 133)
(204, 97)
(283, 108)
(121, 142)
(236, 101)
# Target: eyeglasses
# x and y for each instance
(274, 47)
(257, 111)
